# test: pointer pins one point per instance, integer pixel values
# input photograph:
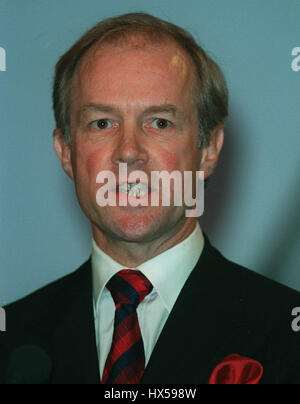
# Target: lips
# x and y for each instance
(137, 190)
(125, 187)
(135, 194)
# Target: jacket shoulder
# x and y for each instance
(51, 293)
(43, 308)
(35, 319)
(248, 282)
(257, 316)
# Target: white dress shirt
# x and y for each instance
(167, 272)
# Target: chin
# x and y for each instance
(135, 228)
(136, 225)
(131, 226)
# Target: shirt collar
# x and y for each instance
(167, 271)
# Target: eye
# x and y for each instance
(161, 123)
(101, 124)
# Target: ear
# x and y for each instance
(63, 151)
(210, 153)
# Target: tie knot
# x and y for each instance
(129, 287)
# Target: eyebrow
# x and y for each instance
(161, 108)
(169, 108)
(93, 108)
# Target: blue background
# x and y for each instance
(252, 202)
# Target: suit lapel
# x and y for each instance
(202, 328)
(74, 336)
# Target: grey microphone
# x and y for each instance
(29, 364)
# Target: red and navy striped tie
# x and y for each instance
(125, 363)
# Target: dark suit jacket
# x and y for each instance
(223, 309)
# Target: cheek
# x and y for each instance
(94, 163)
(170, 161)
(91, 163)
(88, 165)
(182, 160)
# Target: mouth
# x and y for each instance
(134, 190)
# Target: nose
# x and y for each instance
(130, 148)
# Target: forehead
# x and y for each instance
(134, 73)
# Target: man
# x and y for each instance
(155, 303)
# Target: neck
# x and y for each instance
(133, 254)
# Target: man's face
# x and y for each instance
(132, 105)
